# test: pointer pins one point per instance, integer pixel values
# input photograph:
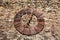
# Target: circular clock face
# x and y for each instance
(28, 22)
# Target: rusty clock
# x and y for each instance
(28, 22)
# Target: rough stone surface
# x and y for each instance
(51, 13)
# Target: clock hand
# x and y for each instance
(30, 19)
(26, 26)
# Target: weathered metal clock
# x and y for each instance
(28, 22)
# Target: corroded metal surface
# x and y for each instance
(28, 22)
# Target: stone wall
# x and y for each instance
(51, 13)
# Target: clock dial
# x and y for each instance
(28, 23)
